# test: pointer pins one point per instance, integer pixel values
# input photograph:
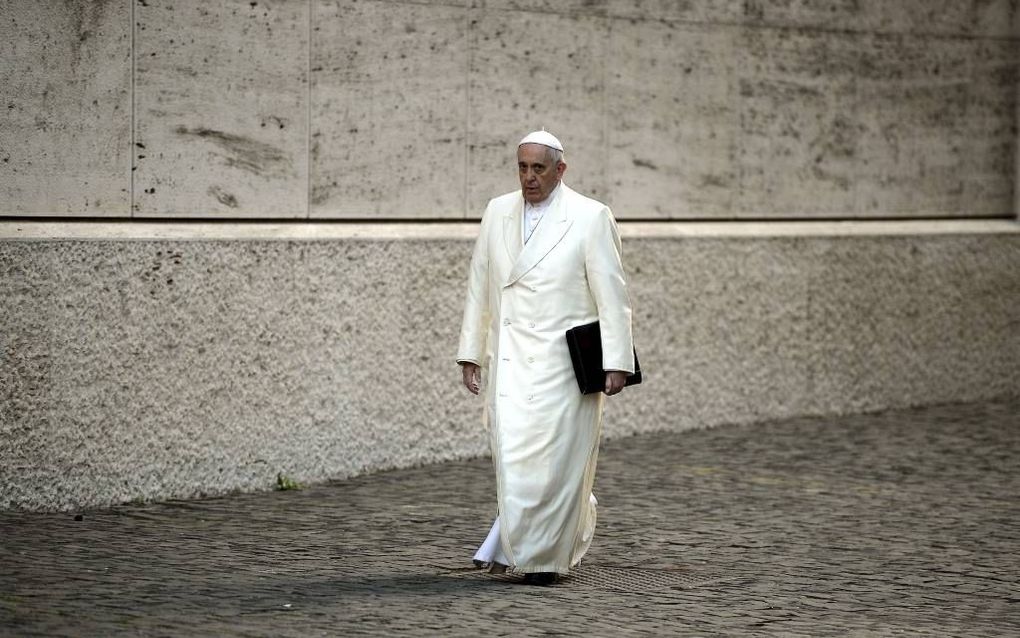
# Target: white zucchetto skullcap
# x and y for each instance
(544, 138)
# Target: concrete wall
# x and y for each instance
(168, 361)
(65, 91)
(386, 109)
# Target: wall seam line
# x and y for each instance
(606, 56)
(1016, 136)
(133, 142)
(469, 36)
(308, 116)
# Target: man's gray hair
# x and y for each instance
(555, 156)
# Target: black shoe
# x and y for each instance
(543, 579)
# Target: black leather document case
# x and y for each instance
(585, 345)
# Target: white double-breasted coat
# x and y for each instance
(521, 300)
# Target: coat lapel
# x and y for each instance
(512, 221)
(548, 233)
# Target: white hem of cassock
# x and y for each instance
(491, 550)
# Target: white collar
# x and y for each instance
(533, 214)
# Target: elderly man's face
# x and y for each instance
(539, 174)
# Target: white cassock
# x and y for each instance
(521, 300)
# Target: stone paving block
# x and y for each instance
(671, 96)
(980, 18)
(221, 98)
(912, 102)
(65, 90)
(518, 84)
(990, 146)
(799, 151)
(389, 109)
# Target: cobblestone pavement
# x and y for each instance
(902, 523)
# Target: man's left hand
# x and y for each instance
(614, 381)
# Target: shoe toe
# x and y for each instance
(541, 578)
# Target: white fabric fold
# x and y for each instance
(491, 550)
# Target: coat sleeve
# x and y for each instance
(475, 325)
(608, 287)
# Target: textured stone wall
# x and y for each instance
(388, 109)
(140, 367)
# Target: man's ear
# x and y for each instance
(560, 169)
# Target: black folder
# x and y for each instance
(585, 345)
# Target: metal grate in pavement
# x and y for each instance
(638, 580)
(620, 579)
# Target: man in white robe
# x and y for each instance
(547, 259)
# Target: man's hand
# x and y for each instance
(472, 376)
(614, 381)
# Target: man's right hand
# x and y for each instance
(472, 377)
